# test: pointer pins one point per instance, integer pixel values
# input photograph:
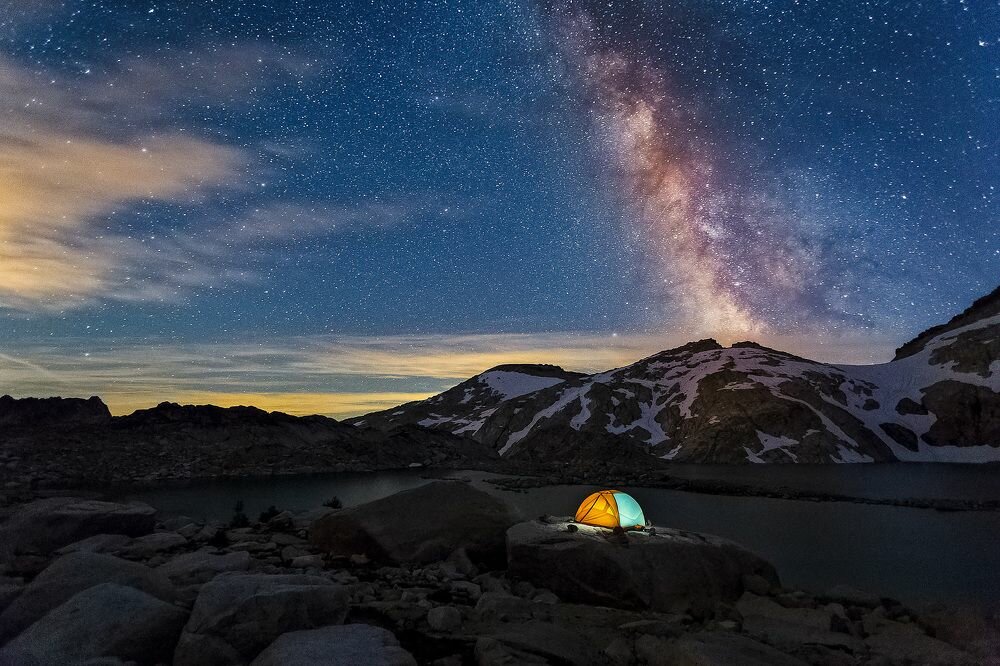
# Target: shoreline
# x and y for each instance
(512, 478)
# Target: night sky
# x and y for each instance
(335, 207)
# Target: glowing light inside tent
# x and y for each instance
(610, 508)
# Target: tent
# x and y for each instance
(610, 508)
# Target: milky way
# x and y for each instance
(733, 260)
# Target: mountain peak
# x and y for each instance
(986, 306)
(49, 411)
(708, 344)
(536, 369)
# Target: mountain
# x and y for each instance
(51, 412)
(58, 440)
(937, 400)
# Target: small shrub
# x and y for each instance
(334, 503)
(267, 515)
(239, 518)
(219, 540)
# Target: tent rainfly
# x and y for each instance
(610, 508)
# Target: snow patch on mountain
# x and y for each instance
(434, 420)
(510, 384)
(566, 397)
(646, 421)
(771, 443)
(580, 419)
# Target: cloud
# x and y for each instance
(62, 183)
(54, 187)
(79, 155)
(335, 375)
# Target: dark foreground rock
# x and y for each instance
(49, 524)
(420, 525)
(103, 621)
(237, 615)
(668, 570)
(346, 644)
(74, 573)
(202, 566)
(263, 594)
(722, 649)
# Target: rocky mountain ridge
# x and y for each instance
(938, 400)
(56, 441)
(46, 412)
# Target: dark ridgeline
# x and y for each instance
(69, 440)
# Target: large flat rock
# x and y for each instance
(724, 649)
(106, 620)
(900, 643)
(49, 524)
(236, 615)
(346, 645)
(422, 525)
(670, 570)
(202, 566)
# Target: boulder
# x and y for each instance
(421, 525)
(757, 584)
(444, 618)
(46, 525)
(99, 543)
(902, 643)
(557, 643)
(202, 566)
(751, 605)
(238, 615)
(723, 649)
(347, 644)
(74, 573)
(469, 589)
(503, 607)
(106, 620)
(492, 652)
(851, 596)
(791, 635)
(965, 628)
(283, 521)
(671, 570)
(147, 546)
(307, 562)
(305, 519)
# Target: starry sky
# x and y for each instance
(333, 207)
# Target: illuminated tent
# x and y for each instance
(610, 508)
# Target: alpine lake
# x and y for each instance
(912, 554)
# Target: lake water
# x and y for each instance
(912, 554)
